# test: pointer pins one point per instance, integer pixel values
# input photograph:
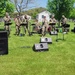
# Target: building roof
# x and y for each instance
(45, 12)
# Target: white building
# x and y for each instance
(40, 16)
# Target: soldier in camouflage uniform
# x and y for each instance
(7, 20)
(63, 22)
(52, 21)
(24, 23)
(44, 26)
(17, 23)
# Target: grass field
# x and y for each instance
(22, 60)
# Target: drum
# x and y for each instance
(9, 23)
(23, 24)
(49, 29)
(66, 25)
(33, 24)
(35, 28)
(52, 23)
(40, 30)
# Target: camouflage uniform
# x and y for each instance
(52, 20)
(24, 23)
(7, 20)
(44, 26)
(17, 23)
(63, 22)
(37, 25)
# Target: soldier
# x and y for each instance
(37, 25)
(7, 20)
(52, 22)
(17, 23)
(63, 22)
(44, 26)
(24, 23)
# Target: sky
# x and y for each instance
(39, 3)
(42, 3)
(36, 4)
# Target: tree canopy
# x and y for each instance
(21, 5)
(72, 15)
(6, 6)
(60, 7)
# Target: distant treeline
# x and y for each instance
(31, 12)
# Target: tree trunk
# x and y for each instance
(59, 23)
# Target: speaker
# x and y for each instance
(46, 40)
(40, 47)
(3, 43)
(53, 33)
(73, 30)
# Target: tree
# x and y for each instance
(34, 12)
(72, 15)
(6, 6)
(21, 5)
(2, 7)
(9, 7)
(60, 7)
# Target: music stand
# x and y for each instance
(8, 23)
(33, 24)
(52, 23)
(62, 37)
(23, 24)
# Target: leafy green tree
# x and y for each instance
(22, 5)
(60, 7)
(9, 7)
(34, 14)
(2, 7)
(72, 15)
(6, 6)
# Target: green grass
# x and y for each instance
(59, 60)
